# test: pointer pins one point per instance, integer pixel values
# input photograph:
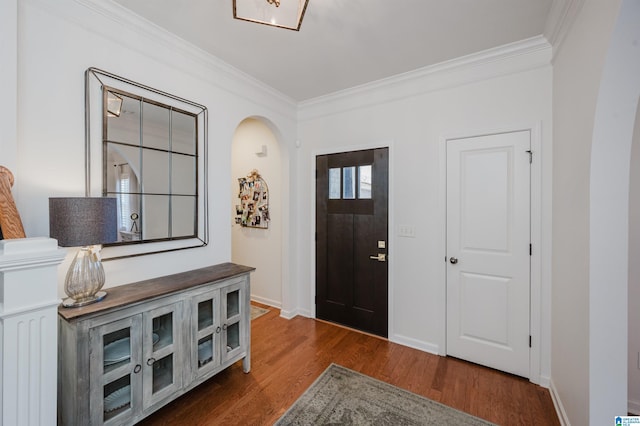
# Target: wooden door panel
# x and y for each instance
(351, 288)
(486, 199)
(339, 269)
(479, 324)
(364, 273)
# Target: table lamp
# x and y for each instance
(85, 222)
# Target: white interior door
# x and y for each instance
(488, 250)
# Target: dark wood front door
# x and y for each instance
(352, 239)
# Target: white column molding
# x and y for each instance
(28, 330)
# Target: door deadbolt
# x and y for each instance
(453, 260)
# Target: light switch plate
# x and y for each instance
(407, 231)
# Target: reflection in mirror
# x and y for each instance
(150, 164)
(151, 153)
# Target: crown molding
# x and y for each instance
(559, 21)
(514, 57)
(148, 30)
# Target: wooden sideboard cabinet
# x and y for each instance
(149, 342)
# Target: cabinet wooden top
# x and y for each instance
(148, 289)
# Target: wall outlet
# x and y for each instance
(407, 231)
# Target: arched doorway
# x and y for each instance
(255, 146)
(609, 219)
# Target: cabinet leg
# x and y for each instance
(246, 364)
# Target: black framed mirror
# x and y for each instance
(147, 149)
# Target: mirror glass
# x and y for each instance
(150, 154)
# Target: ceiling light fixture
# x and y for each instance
(277, 13)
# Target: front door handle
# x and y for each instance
(453, 260)
(381, 257)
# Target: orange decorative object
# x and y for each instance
(10, 223)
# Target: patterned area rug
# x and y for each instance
(344, 397)
(257, 311)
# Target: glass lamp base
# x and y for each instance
(72, 303)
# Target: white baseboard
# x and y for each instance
(633, 407)
(265, 301)
(544, 381)
(294, 313)
(415, 344)
(288, 314)
(305, 313)
(562, 414)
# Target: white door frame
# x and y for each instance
(540, 258)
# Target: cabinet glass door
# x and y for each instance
(206, 320)
(233, 323)
(115, 363)
(163, 352)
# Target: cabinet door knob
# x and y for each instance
(150, 361)
(224, 326)
(218, 329)
(137, 368)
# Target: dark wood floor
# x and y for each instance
(288, 355)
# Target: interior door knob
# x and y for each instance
(453, 260)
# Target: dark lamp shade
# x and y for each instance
(83, 221)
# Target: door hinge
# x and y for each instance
(316, 237)
(530, 156)
(529, 341)
(316, 173)
(530, 250)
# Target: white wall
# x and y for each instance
(8, 76)
(616, 110)
(577, 70)
(599, 64)
(57, 42)
(633, 386)
(258, 247)
(413, 115)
